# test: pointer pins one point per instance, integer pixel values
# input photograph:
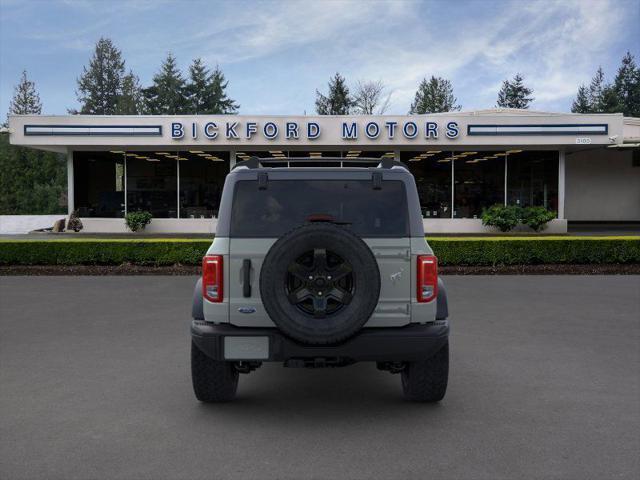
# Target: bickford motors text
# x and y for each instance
(349, 130)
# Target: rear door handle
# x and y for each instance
(246, 278)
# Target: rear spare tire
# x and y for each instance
(320, 283)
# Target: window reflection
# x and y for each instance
(99, 184)
(202, 177)
(478, 182)
(532, 179)
(152, 184)
(432, 171)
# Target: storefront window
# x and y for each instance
(152, 184)
(99, 184)
(479, 182)
(201, 180)
(432, 171)
(532, 179)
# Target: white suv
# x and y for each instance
(319, 267)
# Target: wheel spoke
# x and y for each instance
(299, 295)
(340, 271)
(319, 259)
(319, 306)
(340, 295)
(299, 271)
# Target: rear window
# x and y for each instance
(286, 204)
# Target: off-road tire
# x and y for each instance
(213, 381)
(338, 326)
(426, 380)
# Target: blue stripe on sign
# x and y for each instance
(94, 130)
(532, 129)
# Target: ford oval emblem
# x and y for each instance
(247, 310)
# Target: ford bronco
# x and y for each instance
(320, 266)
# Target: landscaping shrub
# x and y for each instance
(537, 217)
(137, 220)
(450, 251)
(504, 218)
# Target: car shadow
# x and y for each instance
(358, 393)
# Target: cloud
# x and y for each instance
(277, 53)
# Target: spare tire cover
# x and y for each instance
(320, 283)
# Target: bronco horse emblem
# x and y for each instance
(396, 276)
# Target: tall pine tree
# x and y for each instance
(338, 101)
(582, 102)
(167, 94)
(219, 102)
(206, 92)
(433, 96)
(597, 89)
(627, 86)
(31, 181)
(130, 101)
(196, 88)
(514, 94)
(100, 85)
(25, 99)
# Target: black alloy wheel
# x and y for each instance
(320, 283)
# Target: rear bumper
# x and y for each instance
(410, 343)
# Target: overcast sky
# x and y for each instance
(275, 54)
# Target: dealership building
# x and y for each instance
(586, 168)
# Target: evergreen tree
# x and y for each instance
(100, 85)
(167, 95)
(130, 101)
(514, 94)
(433, 96)
(25, 99)
(196, 89)
(581, 104)
(31, 181)
(219, 102)
(596, 91)
(337, 101)
(206, 92)
(627, 86)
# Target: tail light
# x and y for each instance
(427, 288)
(212, 278)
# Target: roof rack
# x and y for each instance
(257, 162)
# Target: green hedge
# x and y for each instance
(532, 251)
(450, 251)
(102, 252)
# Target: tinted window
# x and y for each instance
(286, 204)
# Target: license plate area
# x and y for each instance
(246, 348)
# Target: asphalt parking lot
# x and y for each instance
(545, 383)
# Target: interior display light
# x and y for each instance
(116, 151)
(434, 151)
(514, 151)
(196, 151)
